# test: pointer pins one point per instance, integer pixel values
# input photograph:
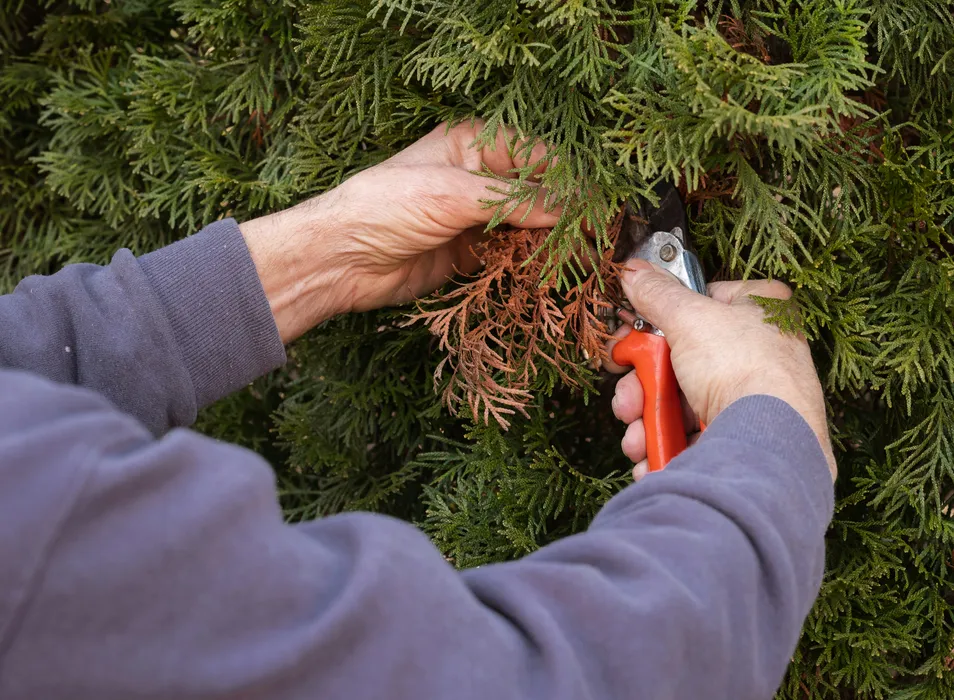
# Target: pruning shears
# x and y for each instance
(661, 236)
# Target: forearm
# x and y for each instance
(696, 582)
(160, 336)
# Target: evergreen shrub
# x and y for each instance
(812, 140)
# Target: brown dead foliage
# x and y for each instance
(502, 326)
(714, 184)
(853, 129)
(734, 31)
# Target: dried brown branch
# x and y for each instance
(501, 327)
(864, 129)
(752, 43)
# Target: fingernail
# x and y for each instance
(638, 265)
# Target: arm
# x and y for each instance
(162, 568)
(182, 327)
(132, 332)
(168, 573)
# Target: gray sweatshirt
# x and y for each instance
(141, 560)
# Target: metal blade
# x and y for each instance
(641, 220)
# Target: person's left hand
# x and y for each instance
(390, 234)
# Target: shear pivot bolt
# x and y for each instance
(668, 252)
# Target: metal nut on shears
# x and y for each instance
(668, 250)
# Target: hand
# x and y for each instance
(390, 234)
(722, 350)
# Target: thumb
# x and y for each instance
(660, 298)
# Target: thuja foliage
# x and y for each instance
(813, 142)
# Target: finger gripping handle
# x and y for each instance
(662, 410)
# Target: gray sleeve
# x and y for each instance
(162, 568)
(157, 568)
(160, 336)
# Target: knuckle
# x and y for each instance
(777, 290)
(772, 289)
(644, 290)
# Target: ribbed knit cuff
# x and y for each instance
(771, 424)
(217, 308)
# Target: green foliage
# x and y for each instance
(814, 142)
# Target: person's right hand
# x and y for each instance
(722, 351)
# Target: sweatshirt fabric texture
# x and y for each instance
(144, 561)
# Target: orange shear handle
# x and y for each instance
(662, 409)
